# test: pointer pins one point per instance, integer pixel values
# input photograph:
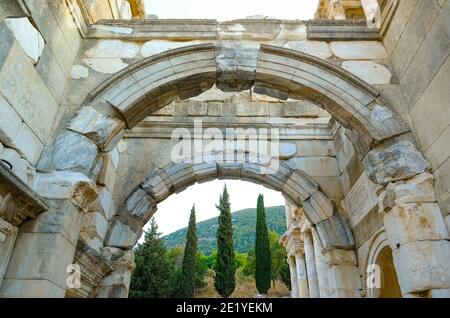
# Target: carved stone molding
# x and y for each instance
(19, 202)
(93, 267)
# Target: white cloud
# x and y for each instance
(173, 213)
(231, 9)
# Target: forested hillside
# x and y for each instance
(244, 222)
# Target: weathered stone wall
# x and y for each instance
(39, 43)
(417, 42)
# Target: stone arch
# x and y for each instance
(385, 146)
(148, 85)
(380, 244)
(333, 230)
(156, 81)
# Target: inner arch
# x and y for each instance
(295, 185)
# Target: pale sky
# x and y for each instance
(173, 213)
(223, 10)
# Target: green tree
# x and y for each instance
(224, 280)
(279, 256)
(263, 268)
(249, 267)
(151, 276)
(189, 265)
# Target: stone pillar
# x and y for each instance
(45, 246)
(8, 234)
(343, 275)
(117, 284)
(371, 9)
(321, 267)
(287, 210)
(338, 11)
(294, 280)
(417, 235)
(311, 265)
(302, 277)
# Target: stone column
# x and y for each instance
(371, 8)
(418, 236)
(321, 267)
(302, 277)
(343, 275)
(287, 210)
(45, 246)
(311, 265)
(294, 280)
(338, 11)
(8, 234)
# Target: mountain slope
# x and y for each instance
(244, 222)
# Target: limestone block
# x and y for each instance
(79, 72)
(233, 60)
(30, 288)
(20, 166)
(74, 186)
(358, 50)
(396, 162)
(155, 186)
(205, 172)
(139, 205)
(157, 46)
(315, 48)
(299, 187)
(28, 145)
(315, 166)
(94, 243)
(318, 207)
(105, 202)
(113, 49)
(335, 232)
(10, 123)
(62, 217)
(411, 222)
(419, 189)
(105, 65)
(340, 257)
(27, 93)
(315, 148)
(369, 71)
(96, 126)
(301, 108)
(107, 175)
(94, 225)
(28, 36)
(39, 256)
(344, 277)
(196, 108)
(125, 10)
(179, 176)
(422, 266)
(73, 151)
(115, 157)
(287, 150)
(121, 235)
(252, 110)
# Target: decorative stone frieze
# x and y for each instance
(93, 267)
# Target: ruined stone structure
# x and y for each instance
(90, 94)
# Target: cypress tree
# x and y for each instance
(224, 280)
(188, 267)
(151, 276)
(263, 268)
